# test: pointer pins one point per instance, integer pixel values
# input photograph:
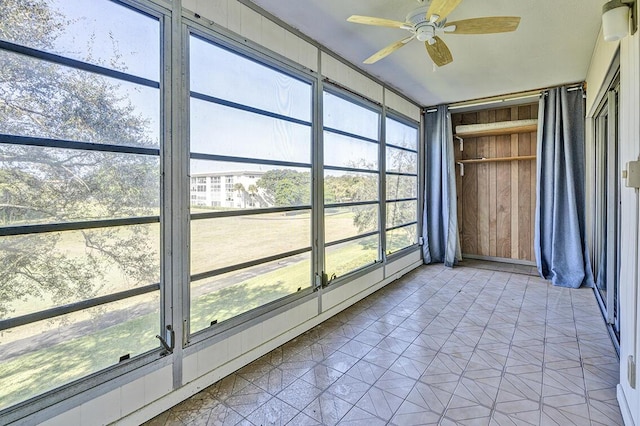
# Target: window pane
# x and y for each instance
(53, 185)
(401, 213)
(342, 151)
(227, 241)
(401, 187)
(225, 296)
(401, 161)
(50, 185)
(347, 116)
(57, 102)
(220, 130)
(346, 222)
(99, 32)
(400, 134)
(400, 238)
(230, 131)
(345, 187)
(75, 265)
(346, 257)
(44, 355)
(226, 75)
(236, 186)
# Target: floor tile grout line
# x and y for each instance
(476, 346)
(445, 280)
(388, 369)
(495, 402)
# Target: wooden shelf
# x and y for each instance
(496, 159)
(496, 129)
(499, 132)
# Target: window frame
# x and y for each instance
(375, 107)
(175, 27)
(91, 385)
(402, 119)
(255, 53)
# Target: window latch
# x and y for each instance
(168, 342)
(326, 279)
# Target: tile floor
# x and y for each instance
(462, 346)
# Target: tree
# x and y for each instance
(253, 193)
(49, 185)
(353, 187)
(286, 187)
(399, 187)
(240, 189)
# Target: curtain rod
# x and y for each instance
(509, 97)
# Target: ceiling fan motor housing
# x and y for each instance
(425, 32)
(424, 29)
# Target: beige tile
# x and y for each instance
(462, 346)
(349, 389)
(274, 412)
(299, 394)
(328, 409)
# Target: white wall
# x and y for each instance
(140, 395)
(628, 398)
(603, 55)
(629, 150)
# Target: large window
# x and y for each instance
(401, 185)
(79, 191)
(92, 119)
(351, 185)
(251, 125)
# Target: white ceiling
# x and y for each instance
(552, 46)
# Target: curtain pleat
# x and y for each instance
(560, 232)
(441, 241)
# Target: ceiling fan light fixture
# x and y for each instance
(425, 33)
(615, 20)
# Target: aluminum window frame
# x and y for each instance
(402, 119)
(176, 25)
(379, 109)
(228, 41)
(86, 388)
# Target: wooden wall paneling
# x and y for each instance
(496, 200)
(525, 236)
(527, 193)
(482, 202)
(515, 193)
(470, 195)
(492, 184)
(455, 120)
(503, 191)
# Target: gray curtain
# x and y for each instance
(560, 235)
(440, 213)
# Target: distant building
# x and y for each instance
(228, 189)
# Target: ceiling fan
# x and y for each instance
(427, 23)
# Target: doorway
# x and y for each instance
(605, 244)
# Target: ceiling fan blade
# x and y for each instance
(490, 25)
(439, 52)
(370, 20)
(387, 50)
(442, 8)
